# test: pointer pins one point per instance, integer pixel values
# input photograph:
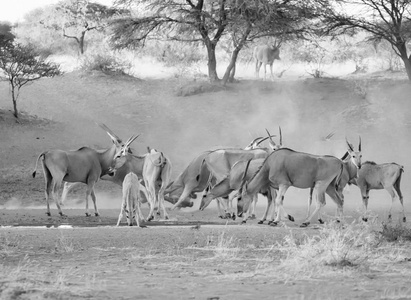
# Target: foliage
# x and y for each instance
(21, 65)
(105, 62)
(209, 21)
(384, 20)
(6, 32)
(74, 18)
(46, 40)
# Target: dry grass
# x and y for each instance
(29, 278)
(67, 245)
(339, 250)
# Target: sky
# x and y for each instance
(14, 11)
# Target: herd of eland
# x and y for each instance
(221, 174)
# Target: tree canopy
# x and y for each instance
(388, 20)
(208, 20)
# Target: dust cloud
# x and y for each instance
(182, 127)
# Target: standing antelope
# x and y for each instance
(156, 167)
(155, 170)
(265, 55)
(85, 165)
(196, 177)
(374, 176)
(131, 204)
(284, 168)
(351, 163)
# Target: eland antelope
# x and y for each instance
(155, 170)
(265, 55)
(351, 164)
(241, 170)
(196, 177)
(232, 177)
(157, 167)
(85, 165)
(284, 168)
(374, 176)
(131, 204)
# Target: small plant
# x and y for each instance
(392, 233)
(360, 88)
(66, 245)
(105, 63)
(335, 247)
(225, 248)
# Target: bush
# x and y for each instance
(393, 233)
(106, 63)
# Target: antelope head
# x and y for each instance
(120, 157)
(273, 145)
(276, 49)
(253, 144)
(355, 155)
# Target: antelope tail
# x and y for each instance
(37, 161)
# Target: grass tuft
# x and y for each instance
(335, 247)
(398, 232)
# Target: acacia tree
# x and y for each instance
(388, 20)
(252, 20)
(188, 21)
(20, 65)
(74, 18)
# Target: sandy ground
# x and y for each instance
(90, 258)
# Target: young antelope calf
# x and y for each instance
(131, 200)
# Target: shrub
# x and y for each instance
(397, 232)
(106, 63)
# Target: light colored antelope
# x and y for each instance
(351, 163)
(241, 170)
(195, 178)
(233, 178)
(85, 165)
(156, 168)
(156, 171)
(374, 176)
(284, 168)
(131, 204)
(265, 55)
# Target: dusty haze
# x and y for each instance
(376, 108)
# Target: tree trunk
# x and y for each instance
(81, 42)
(230, 71)
(212, 62)
(13, 97)
(407, 64)
(407, 60)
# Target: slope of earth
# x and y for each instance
(61, 114)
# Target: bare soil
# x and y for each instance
(195, 255)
